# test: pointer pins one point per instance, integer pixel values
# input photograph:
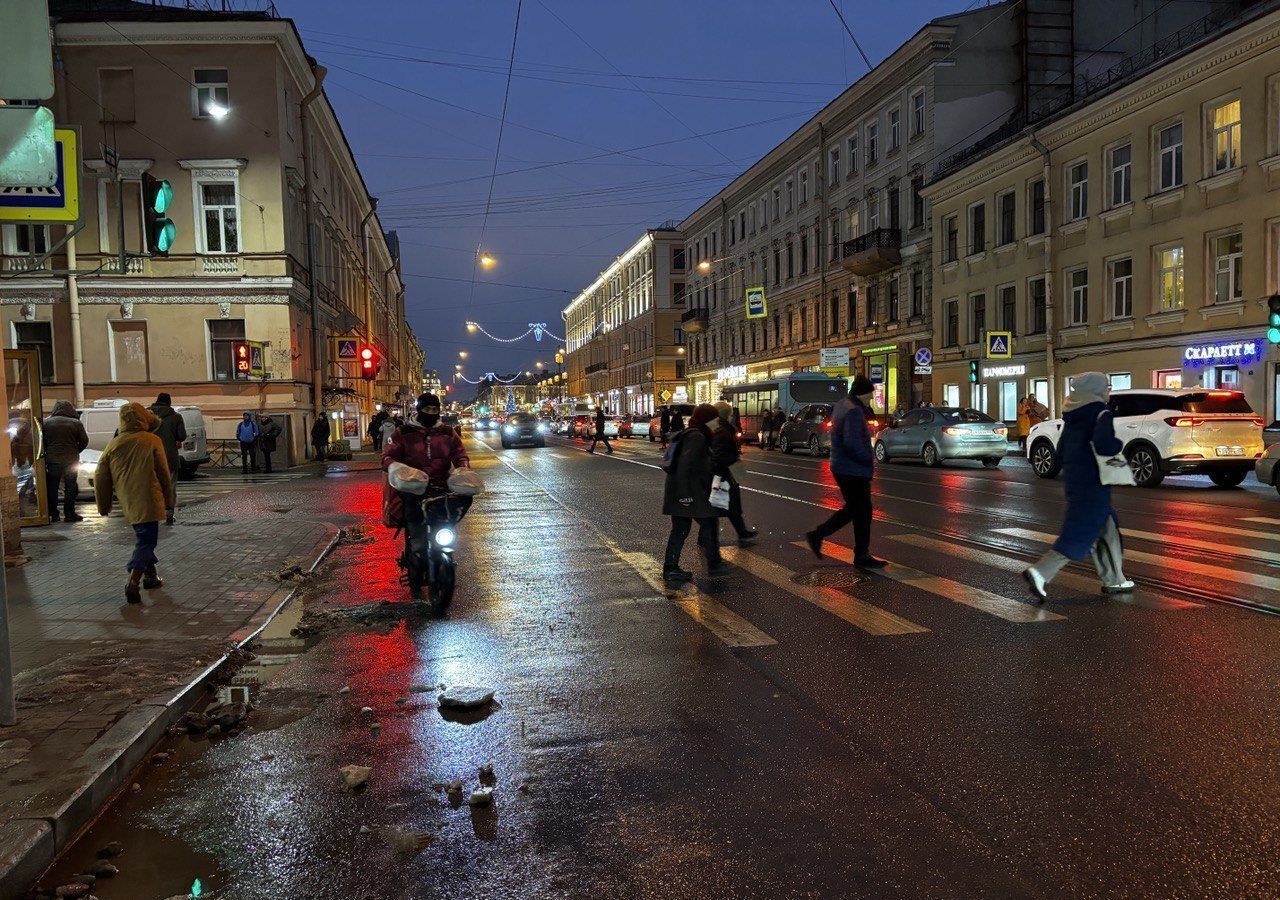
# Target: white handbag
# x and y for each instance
(720, 493)
(1113, 470)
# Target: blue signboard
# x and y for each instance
(924, 357)
(756, 308)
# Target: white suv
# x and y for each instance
(1171, 432)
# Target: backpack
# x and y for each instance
(671, 453)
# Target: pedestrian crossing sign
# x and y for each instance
(999, 344)
(344, 349)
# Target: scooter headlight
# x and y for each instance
(444, 537)
(509, 429)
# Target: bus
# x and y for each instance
(789, 393)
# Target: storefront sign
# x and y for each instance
(1003, 371)
(681, 395)
(999, 344)
(731, 373)
(756, 308)
(887, 348)
(1240, 351)
(877, 373)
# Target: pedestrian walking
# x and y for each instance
(268, 438)
(134, 469)
(726, 454)
(320, 436)
(386, 430)
(1024, 421)
(664, 426)
(852, 465)
(677, 423)
(686, 497)
(172, 431)
(1089, 526)
(599, 434)
(766, 429)
(247, 432)
(375, 429)
(64, 438)
(779, 419)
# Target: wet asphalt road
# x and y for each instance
(792, 730)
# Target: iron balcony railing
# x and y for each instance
(876, 239)
(595, 367)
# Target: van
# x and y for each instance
(103, 418)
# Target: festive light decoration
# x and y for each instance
(537, 329)
(488, 376)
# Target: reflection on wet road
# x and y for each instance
(793, 730)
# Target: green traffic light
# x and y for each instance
(164, 235)
(1275, 320)
(163, 197)
(1273, 335)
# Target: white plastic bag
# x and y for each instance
(466, 482)
(1113, 470)
(720, 493)
(407, 479)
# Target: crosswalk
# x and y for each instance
(219, 483)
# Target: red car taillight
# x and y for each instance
(826, 424)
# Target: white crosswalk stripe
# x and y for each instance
(1227, 529)
(1262, 520)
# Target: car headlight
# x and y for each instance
(510, 429)
(444, 537)
(88, 467)
(542, 427)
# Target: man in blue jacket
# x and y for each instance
(247, 432)
(852, 465)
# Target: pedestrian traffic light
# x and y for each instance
(973, 371)
(1273, 318)
(157, 194)
(370, 363)
(243, 359)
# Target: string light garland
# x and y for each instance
(537, 329)
(488, 376)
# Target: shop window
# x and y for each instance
(1224, 136)
(1170, 160)
(1122, 289)
(1228, 264)
(1009, 401)
(37, 336)
(1170, 263)
(1120, 381)
(1040, 388)
(978, 397)
(951, 395)
(1169, 379)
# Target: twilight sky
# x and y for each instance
(418, 87)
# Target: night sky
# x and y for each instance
(419, 87)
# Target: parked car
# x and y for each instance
(581, 425)
(637, 426)
(523, 430)
(88, 468)
(809, 428)
(1271, 434)
(1192, 431)
(942, 433)
(655, 421)
(1268, 468)
(103, 418)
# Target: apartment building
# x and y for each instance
(828, 241)
(1136, 232)
(277, 238)
(624, 345)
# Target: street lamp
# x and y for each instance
(462, 354)
(458, 366)
(471, 327)
(537, 365)
(217, 110)
(487, 261)
(704, 266)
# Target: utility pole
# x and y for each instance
(317, 364)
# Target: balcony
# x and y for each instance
(595, 367)
(873, 252)
(694, 321)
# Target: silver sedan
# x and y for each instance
(1268, 468)
(935, 434)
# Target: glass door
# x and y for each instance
(1009, 401)
(26, 444)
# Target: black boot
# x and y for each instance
(131, 592)
(151, 579)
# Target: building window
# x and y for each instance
(791, 195)
(1121, 175)
(1228, 263)
(853, 155)
(677, 259)
(1170, 167)
(22, 239)
(804, 188)
(1120, 381)
(742, 225)
(917, 114)
(977, 228)
(895, 129)
(835, 238)
(833, 314)
(917, 202)
(37, 336)
(219, 217)
(1009, 309)
(223, 333)
(1035, 206)
(791, 261)
(777, 265)
(873, 143)
(873, 300)
(893, 298)
(895, 205)
(873, 213)
(951, 324)
(209, 89)
(951, 227)
(917, 294)
(1078, 178)
(977, 317)
(833, 166)
(1078, 283)
(1171, 278)
(1037, 304)
(804, 253)
(1224, 139)
(1122, 289)
(1008, 230)
(851, 310)
(777, 204)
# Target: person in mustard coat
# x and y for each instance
(133, 468)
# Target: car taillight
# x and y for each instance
(1000, 429)
(1183, 421)
(1258, 420)
(873, 424)
(953, 429)
(1224, 393)
(826, 423)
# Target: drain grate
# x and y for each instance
(832, 578)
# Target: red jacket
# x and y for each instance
(434, 452)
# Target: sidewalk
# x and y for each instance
(98, 681)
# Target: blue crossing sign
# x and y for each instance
(345, 349)
(999, 344)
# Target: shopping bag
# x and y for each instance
(720, 493)
(1113, 470)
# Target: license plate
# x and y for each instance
(1231, 451)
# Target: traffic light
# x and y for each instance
(157, 194)
(973, 371)
(1273, 318)
(242, 358)
(370, 363)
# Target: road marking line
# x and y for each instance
(1226, 529)
(964, 594)
(859, 613)
(1211, 546)
(1262, 520)
(1010, 564)
(1168, 562)
(721, 621)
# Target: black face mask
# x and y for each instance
(428, 420)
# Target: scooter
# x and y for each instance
(427, 560)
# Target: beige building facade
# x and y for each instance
(623, 341)
(253, 260)
(1137, 234)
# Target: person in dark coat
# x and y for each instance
(664, 426)
(375, 429)
(766, 429)
(726, 454)
(172, 431)
(686, 497)
(852, 466)
(599, 434)
(268, 438)
(1089, 526)
(677, 423)
(320, 436)
(64, 438)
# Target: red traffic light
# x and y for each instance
(240, 355)
(370, 363)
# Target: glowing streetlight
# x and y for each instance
(462, 354)
(458, 367)
(471, 327)
(217, 110)
(487, 261)
(680, 350)
(704, 266)
(537, 365)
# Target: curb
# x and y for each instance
(30, 844)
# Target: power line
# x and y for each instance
(849, 30)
